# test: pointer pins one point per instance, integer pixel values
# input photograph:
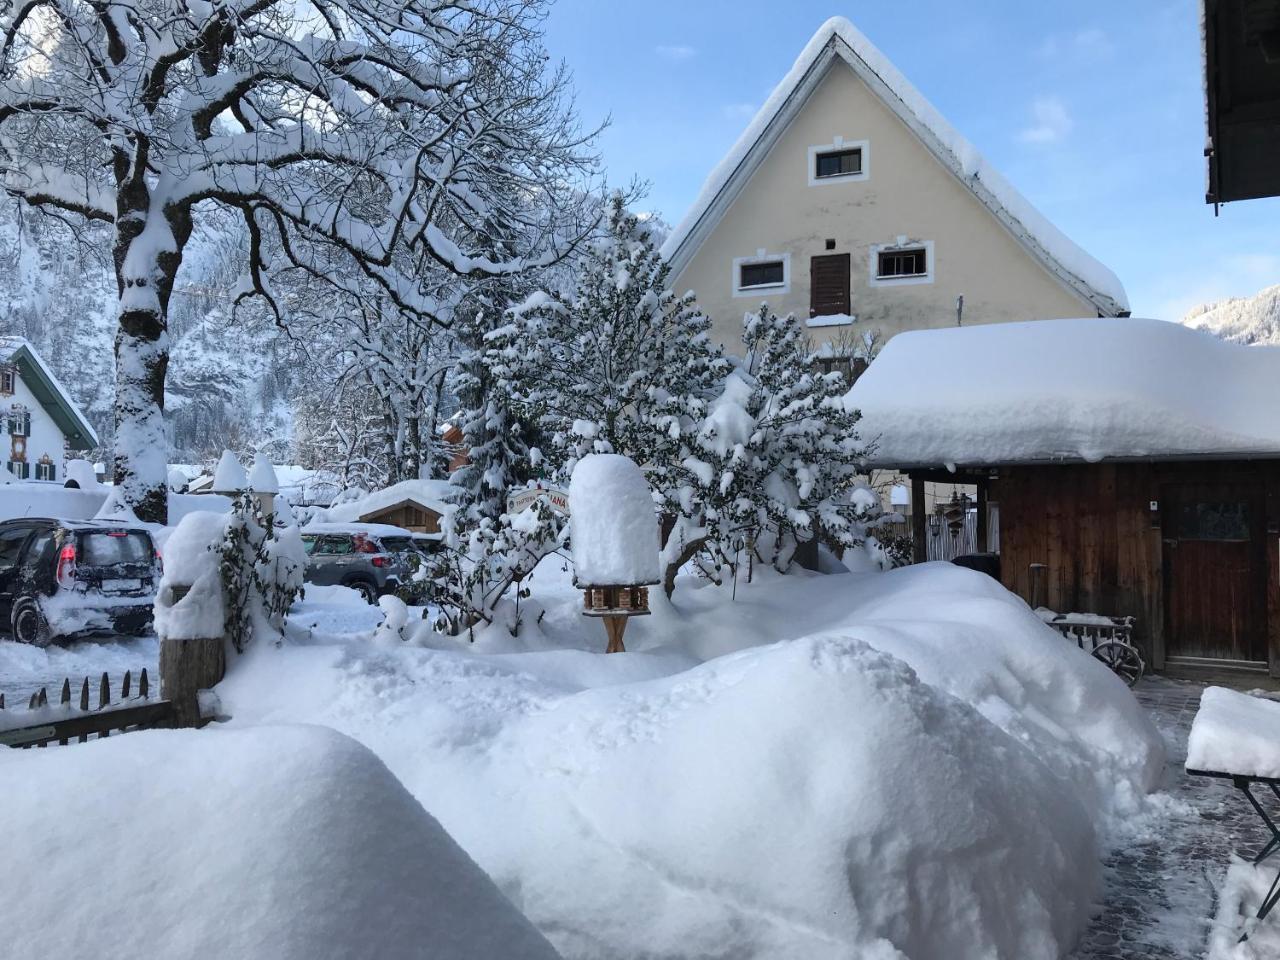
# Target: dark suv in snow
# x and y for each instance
(70, 578)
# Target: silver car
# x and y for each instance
(362, 556)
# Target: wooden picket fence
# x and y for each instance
(64, 723)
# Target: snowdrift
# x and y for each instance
(281, 843)
(902, 764)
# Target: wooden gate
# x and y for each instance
(1215, 573)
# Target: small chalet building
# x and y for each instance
(1135, 465)
(415, 505)
(40, 419)
(850, 202)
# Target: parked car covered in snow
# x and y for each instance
(61, 579)
(368, 557)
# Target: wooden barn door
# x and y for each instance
(1215, 572)
(829, 285)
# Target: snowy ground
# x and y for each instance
(1176, 889)
(824, 767)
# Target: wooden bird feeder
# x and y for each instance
(615, 605)
(614, 537)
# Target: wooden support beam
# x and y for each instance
(980, 535)
(919, 522)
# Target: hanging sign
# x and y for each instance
(522, 500)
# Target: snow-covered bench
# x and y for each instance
(1236, 737)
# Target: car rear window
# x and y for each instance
(397, 544)
(109, 548)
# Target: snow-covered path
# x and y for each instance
(1164, 889)
(25, 669)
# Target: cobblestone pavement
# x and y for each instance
(1161, 890)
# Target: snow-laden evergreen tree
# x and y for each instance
(361, 129)
(623, 365)
(775, 461)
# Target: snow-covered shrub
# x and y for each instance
(261, 567)
(192, 563)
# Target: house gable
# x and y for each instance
(50, 394)
(839, 62)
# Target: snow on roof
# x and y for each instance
(1086, 389)
(838, 38)
(613, 526)
(10, 347)
(369, 529)
(295, 841)
(430, 493)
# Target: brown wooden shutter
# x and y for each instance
(829, 285)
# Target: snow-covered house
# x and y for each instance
(415, 505)
(850, 202)
(1136, 465)
(40, 418)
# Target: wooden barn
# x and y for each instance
(1135, 466)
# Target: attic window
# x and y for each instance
(769, 274)
(902, 263)
(838, 163)
(764, 273)
(7, 380)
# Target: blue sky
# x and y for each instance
(1093, 109)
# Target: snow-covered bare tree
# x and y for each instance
(361, 128)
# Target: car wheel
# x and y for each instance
(365, 589)
(28, 623)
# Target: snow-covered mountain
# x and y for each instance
(1252, 320)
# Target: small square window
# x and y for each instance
(771, 273)
(911, 262)
(838, 163)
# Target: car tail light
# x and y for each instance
(381, 561)
(159, 562)
(67, 565)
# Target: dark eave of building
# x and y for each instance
(1242, 98)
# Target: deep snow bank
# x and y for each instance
(719, 794)
(283, 842)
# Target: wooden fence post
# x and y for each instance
(188, 666)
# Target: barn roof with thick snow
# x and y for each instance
(48, 389)
(839, 40)
(1067, 390)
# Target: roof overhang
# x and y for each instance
(959, 469)
(1242, 98)
(838, 51)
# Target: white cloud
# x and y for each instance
(1050, 121)
(739, 111)
(674, 52)
(1091, 42)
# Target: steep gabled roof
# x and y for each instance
(839, 41)
(53, 396)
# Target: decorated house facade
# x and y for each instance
(41, 422)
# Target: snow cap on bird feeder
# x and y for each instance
(613, 530)
(230, 477)
(263, 483)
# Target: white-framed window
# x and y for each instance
(19, 469)
(765, 273)
(45, 469)
(840, 161)
(902, 262)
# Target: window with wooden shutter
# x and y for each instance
(829, 285)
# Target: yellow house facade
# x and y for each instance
(852, 204)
